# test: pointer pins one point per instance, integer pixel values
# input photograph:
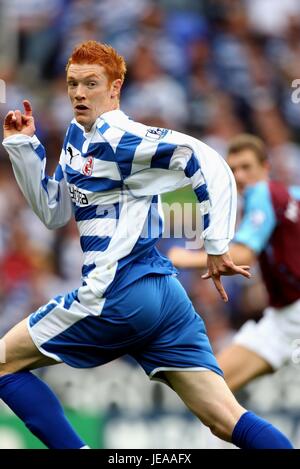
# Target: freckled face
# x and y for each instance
(90, 92)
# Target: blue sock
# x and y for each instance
(252, 432)
(34, 403)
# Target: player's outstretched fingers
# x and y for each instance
(27, 108)
(218, 284)
(28, 119)
(206, 276)
(9, 121)
(219, 287)
(18, 116)
(243, 270)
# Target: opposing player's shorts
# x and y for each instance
(152, 320)
(275, 336)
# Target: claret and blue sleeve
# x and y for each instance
(259, 219)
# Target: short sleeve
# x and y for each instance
(259, 218)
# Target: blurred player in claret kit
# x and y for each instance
(269, 232)
(110, 174)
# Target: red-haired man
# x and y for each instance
(110, 174)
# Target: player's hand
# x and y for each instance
(223, 265)
(185, 259)
(16, 123)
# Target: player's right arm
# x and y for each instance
(48, 197)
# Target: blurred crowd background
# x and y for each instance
(209, 68)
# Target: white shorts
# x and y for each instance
(275, 336)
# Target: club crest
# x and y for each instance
(87, 168)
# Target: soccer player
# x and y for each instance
(269, 232)
(110, 173)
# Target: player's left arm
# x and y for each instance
(252, 236)
(215, 188)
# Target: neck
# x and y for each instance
(87, 128)
(114, 108)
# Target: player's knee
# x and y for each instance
(7, 365)
(220, 419)
(3, 354)
(8, 368)
(3, 358)
(221, 430)
(222, 425)
(13, 366)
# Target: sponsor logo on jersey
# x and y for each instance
(87, 168)
(156, 133)
(77, 196)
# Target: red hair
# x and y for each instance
(92, 52)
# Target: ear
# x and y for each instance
(115, 88)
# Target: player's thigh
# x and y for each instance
(241, 365)
(206, 394)
(18, 351)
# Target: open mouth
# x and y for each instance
(81, 107)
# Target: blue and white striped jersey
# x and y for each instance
(111, 179)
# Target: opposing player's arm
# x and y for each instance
(48, 197)
(187, 259)
(259, 219)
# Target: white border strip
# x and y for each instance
(166, 368)
(43, 352)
